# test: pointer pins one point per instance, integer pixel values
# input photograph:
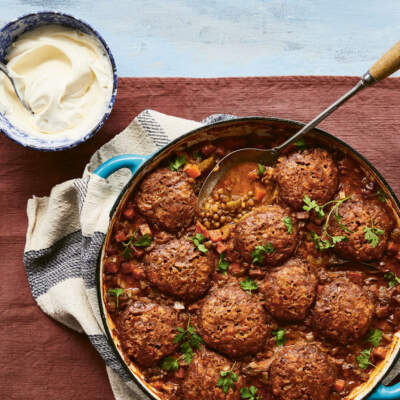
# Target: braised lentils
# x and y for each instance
(283, 286)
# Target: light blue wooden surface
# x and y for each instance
(234, 37)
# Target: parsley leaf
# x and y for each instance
(177, 163)
(393, 279)
(223, 264)
(116, 293)
(189, 340)
(248, 285)
(261, 169)
(143, 241)
(227, 379)
(198, 240)
(288, 223)
(170, 364)
(249, 393)
(382, 196)
(310, 205)
(363, 359)
(280, 337)
(258, 254)
(372, 234)
(127, 247)
(301, 144)
(323, 244)
(375, 337)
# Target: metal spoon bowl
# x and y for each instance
(385, 66)
(5, 70)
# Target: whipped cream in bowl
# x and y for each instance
(67, 77)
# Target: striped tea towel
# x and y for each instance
(66, 231)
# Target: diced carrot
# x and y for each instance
(339, 385)
(208, 149)
(253, 175)
(200, 228)
(259, 193)
(379, 353)
(215, 235)
(222, 247)
(129, 213)
(192, 170)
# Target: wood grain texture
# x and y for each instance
(387, 64)
(42, 359)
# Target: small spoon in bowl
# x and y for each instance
(385, 66)
(5, 70)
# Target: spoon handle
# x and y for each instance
(385, 66)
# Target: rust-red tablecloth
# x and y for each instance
(41, 359)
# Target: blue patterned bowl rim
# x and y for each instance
(28, 22)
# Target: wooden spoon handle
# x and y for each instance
(387, 64)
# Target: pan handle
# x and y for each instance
(386, 393)
(130, 161)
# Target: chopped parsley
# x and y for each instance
(223, 264)
(116, 293)
(280, 337)
(327, 240)
(178, 163)
(198, 240)
(372, 233)
(382, 196)
(249, 393)
(127, 247)
(301, 144)
(257, 255)
(363, 359)
(170, 364)
(310, 205)
(392, 278)
(143, 241)
(261, 169)
(375, 337)
(248, 285)
(288, 223)
(189, 340)
(227, 379)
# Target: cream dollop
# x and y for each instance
(64, 75)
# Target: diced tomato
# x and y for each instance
(200, 228)
(129, 213)
(208, 149)
(192, 170)
(220, 151)
(138, 273)
(111, 267)
(339, 385)
(126, 267)
(145, 229)
(253, 175)
(259, 192)
(379, 353)
(222, 247)
(120, 236)
(215, 235)
(320, 288)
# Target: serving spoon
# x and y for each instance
(385, 66)
(6, 71)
